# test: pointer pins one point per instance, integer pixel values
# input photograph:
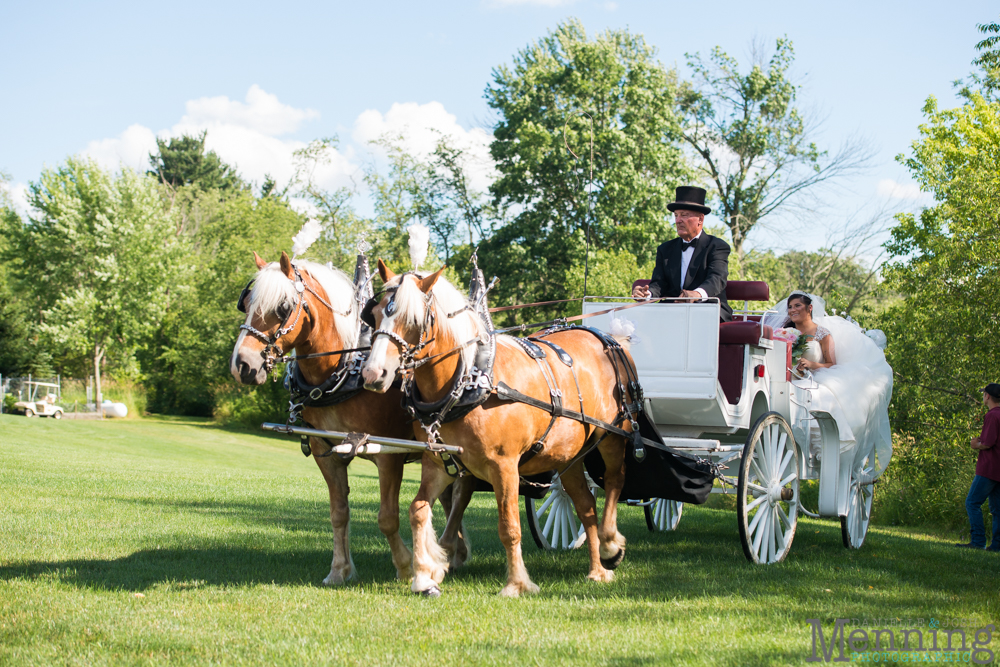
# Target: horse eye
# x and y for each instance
(284, 310)
(390, 308)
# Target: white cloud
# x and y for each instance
(891, 189)
(18, 193)
(611, 6)
(248, 136)
(421, 127)
(131, 148)
(242, 134)
(262, 113)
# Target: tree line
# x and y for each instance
(134, 274)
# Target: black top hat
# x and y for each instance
(993, 389)
(689, 198)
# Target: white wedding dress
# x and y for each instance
(856, 390)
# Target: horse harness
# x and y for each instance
(471, 387)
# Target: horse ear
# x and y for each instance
(260, 262)
(384, 271)
(427, 283)
(286, 266)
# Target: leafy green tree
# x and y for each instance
(558, 93)
(753, 144)
(943, 335)
(98, 259)
(183, 161)
(20, 352)
(187, 364)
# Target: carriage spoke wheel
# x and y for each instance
(662, 514)
(854, 526)
(768, 492)
(553, 521)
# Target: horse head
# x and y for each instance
(404, 317)
(300, 306)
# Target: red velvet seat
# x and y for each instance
(740, 332)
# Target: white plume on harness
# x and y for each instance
(420, 237)
(306, 237)
(623, 330)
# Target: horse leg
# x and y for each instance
(430, 563)
(455, 538)
(612, 543)
(586, 508)
(506, 483)
(390, 478)
(335, 473)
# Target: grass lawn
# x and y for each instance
(174, 541)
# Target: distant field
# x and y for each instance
(172, 541)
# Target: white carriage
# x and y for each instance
(724, 393)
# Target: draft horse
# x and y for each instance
(310, 308)
(428, 330)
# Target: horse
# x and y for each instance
(426, 328)
(310, 308)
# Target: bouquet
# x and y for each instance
(794, 338)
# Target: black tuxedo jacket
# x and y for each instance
(709, 269)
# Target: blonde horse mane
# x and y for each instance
(447, 300)
(271, 288)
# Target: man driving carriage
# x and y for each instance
(702, 259)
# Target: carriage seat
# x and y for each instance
(738, 332)
(734, 335)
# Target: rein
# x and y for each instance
(575, 318)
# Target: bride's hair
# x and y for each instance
(804, 298)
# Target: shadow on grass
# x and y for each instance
(288, 542)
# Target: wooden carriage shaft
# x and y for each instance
(376, 444)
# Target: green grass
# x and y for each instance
(174, 541)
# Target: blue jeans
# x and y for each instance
(981, 489)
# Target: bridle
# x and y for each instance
(408, 352)
(271, 340)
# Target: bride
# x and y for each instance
(844, 372)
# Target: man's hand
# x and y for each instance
(976, 442)
(690, 295)
(640, 292)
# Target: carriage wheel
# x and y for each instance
(854, 526)
(553, 521)
(768, 493)
(663, 514)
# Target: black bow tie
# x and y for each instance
(687, 244)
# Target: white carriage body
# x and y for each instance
(678, 358)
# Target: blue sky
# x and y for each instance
(104, 77)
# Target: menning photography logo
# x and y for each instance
(914, 640)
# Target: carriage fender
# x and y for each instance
(834, 474)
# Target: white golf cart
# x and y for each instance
(38, 404)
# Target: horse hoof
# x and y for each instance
(432, 592)
(614, 561)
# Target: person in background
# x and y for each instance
(986, 483)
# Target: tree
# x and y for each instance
(20, 353)
(187, 362)
(943, 335)
(752, 143)
(558, 93)
(182, 161)
(98, 259)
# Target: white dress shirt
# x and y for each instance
(686, 256)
